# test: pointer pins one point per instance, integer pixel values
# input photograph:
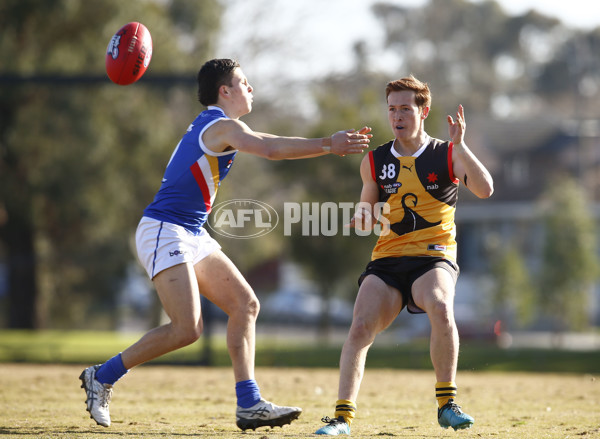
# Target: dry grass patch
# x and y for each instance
(45, 401)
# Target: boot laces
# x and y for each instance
(328, 420)
(455, 408)
(105, 395)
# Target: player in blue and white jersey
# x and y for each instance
(184, 262)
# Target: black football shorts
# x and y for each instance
(401, 272)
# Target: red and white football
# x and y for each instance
(128, 54)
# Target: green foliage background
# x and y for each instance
(81, 157)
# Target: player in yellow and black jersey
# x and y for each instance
(421, 192)
(410, 187)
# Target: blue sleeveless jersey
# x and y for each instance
(192, 177)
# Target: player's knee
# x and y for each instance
(442, 312)
(253, 307)
(246, 307)
(362, 331)
(188, 334)
(249, 304)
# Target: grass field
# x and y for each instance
(158, 402)
(89, 347)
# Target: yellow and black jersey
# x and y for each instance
(421, 193)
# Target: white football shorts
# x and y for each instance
(161, 245)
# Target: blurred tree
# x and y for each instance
(469, 52)
(513, 291)
(506, 66)
(335, 262)
(343, 101)
(570, 260)
(81, 157)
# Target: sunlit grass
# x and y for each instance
(45, 401)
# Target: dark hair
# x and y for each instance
(212, 75)
(410, 83)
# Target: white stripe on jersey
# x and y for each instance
(208, 177)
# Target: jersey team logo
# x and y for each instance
(411, 221)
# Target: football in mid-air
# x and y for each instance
(128, 54)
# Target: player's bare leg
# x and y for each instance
(434, 293)
(178, 292)
(376, 307)
(222, 283)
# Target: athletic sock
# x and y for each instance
(346, 409)
(444, 392)
(111, 371)
(248, 393)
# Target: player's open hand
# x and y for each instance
(457, 128)
(350, 141)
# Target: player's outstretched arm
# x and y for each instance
(235, 134)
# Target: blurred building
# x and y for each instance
(525, 157)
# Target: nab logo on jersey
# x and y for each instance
(432, 178)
